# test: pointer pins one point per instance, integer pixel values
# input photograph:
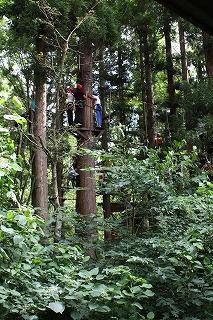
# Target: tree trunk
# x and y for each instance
(208, 52)
(143, 115)
(150, 108)
(183, 51)
(39, 166)
(86, 193)
(104, 141)
(170, 76)
(122, 112)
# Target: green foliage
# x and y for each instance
(8, 169)
(36, 277)
(163, 273)
(143, 186)
(177, 260)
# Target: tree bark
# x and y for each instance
(39, 165)
(104, 141)
(143, 114)
(172, 105)
(170, 68)
(122, 113)
(208, 52)
(183, 51)
(86, 193)
(150, 108)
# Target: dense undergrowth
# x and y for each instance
(163, 271)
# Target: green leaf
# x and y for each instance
(17, 102)
(149, 293)
(136, 289)
(100, 277)
(12, 117)
(3, 130)
(150, 315)
(146, 285)
(99, 308)
(17, 239)
(94, 271)
(57, 307)
(7, 230)
(21, 219)
(99, 290)
(138, 305)
(84, 274)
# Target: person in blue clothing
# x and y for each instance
(98, 109)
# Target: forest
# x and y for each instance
(106, 162)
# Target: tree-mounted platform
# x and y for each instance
(80, 131)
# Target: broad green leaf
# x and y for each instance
(4, 163)
(12, 117)
(21, 219)
(57, 307)
(150, 315)
(149, 293)
(3, 130)
(98, 308)
(136, 289)
(84, 274)
(17, 239)
(94, 271)
(146, 285)
(7, 230)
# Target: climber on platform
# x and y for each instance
(98, 109)
(72, 176)
(79, 95)
(70, 105)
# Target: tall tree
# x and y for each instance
(149, 102)
(39, 165)
(171, 101)
(183, 56)
(86, 194)
(208, 52)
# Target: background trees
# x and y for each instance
(132, 239)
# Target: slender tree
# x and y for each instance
(171, 101)
(208, 52)
(149, 102)
(182, 42)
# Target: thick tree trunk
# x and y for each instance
(150, 108)
(86, 194)
(208, 51)
(39, 166)
(183, 51)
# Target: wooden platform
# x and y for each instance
(97, 132)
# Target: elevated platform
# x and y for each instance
(80, 131)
